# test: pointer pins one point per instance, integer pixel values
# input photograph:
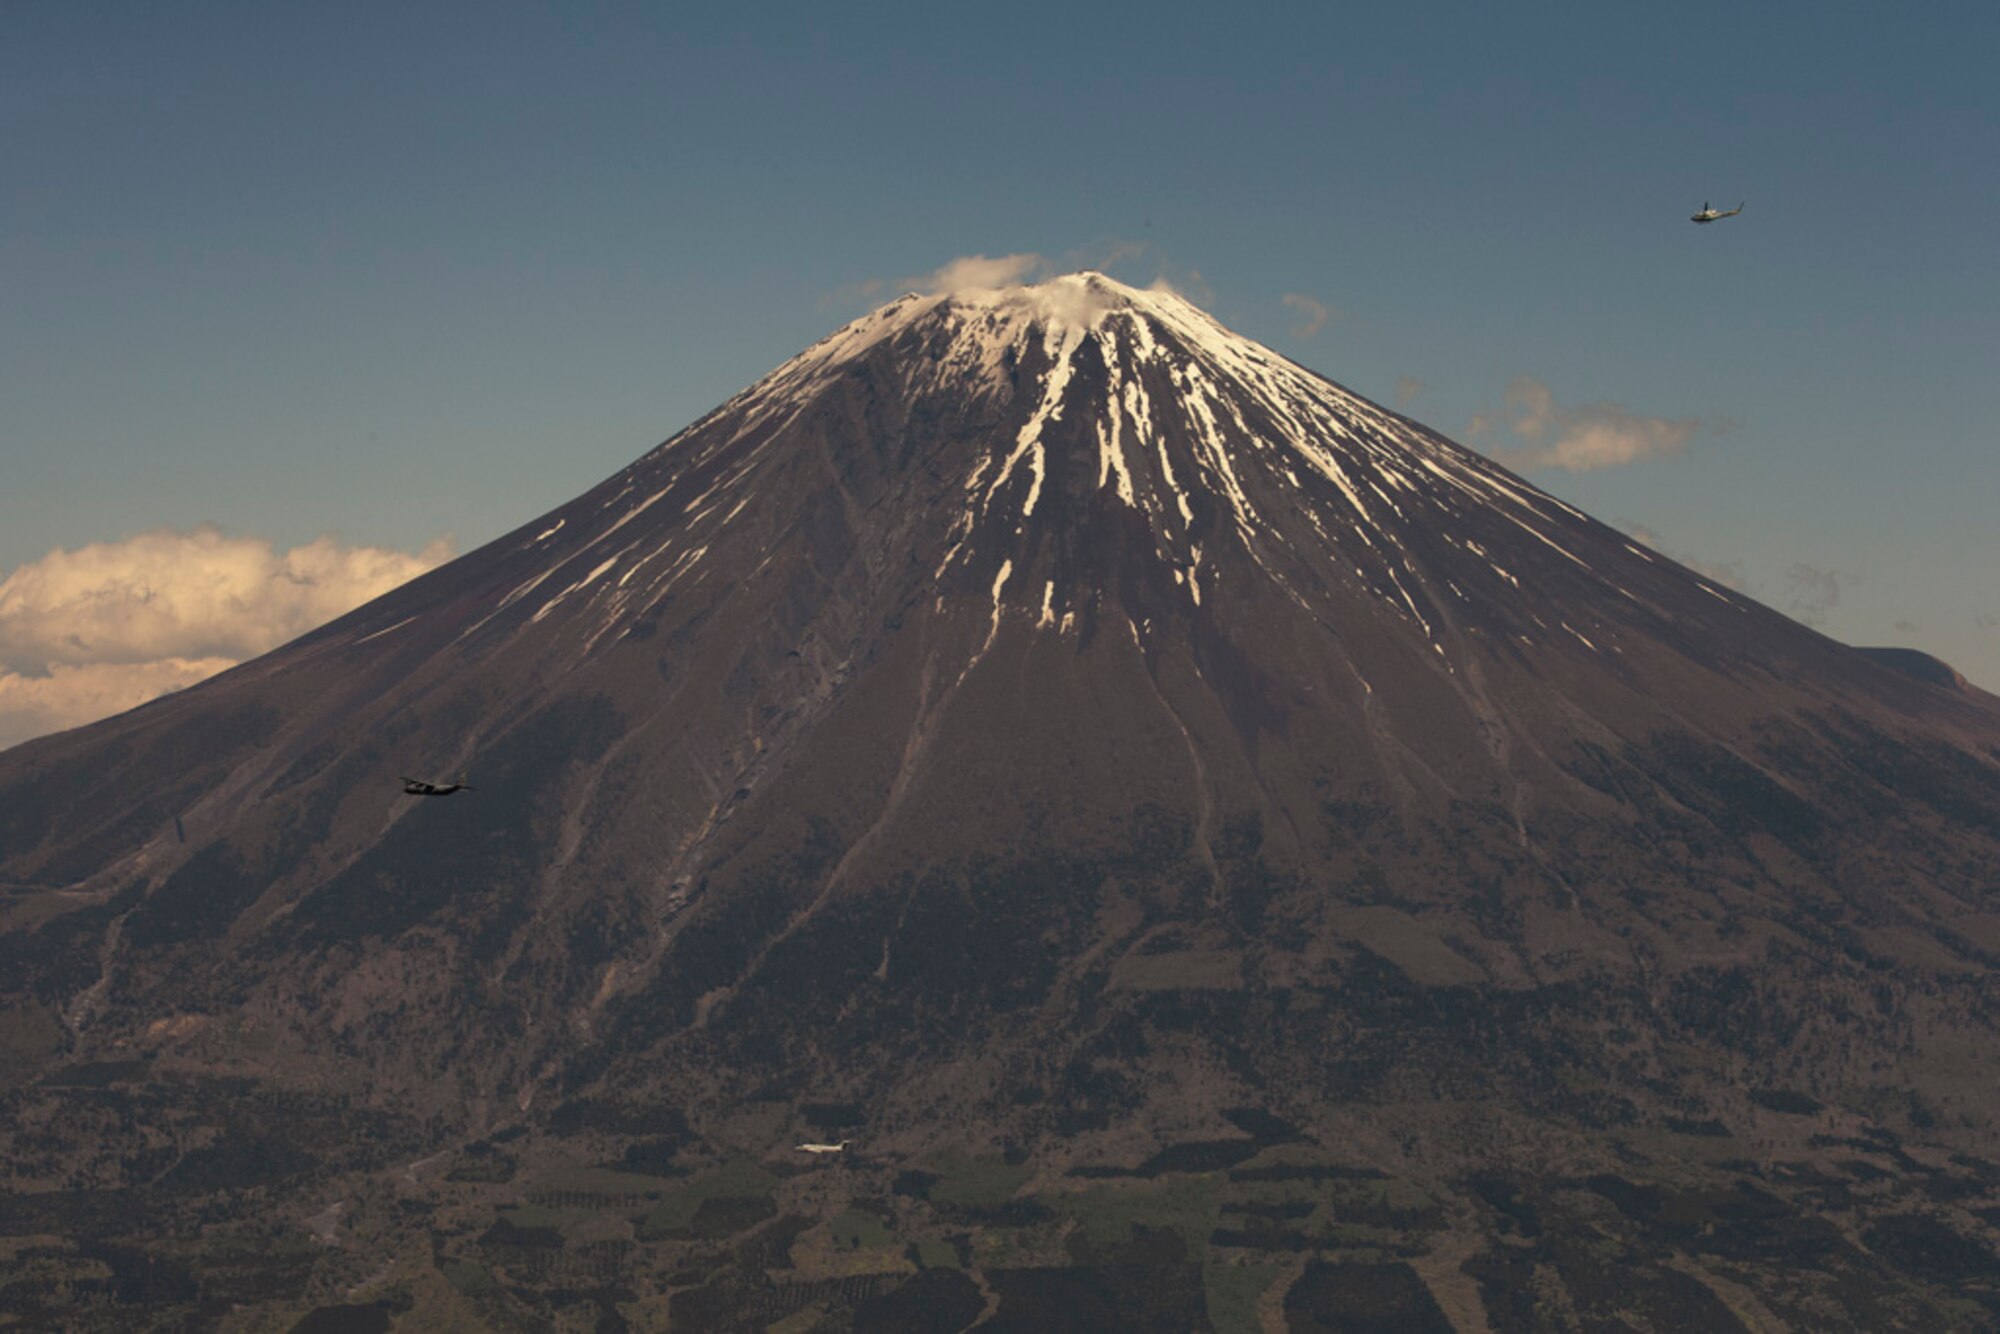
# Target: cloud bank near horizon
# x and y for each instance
(89, 632)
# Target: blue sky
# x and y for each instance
(396, 272)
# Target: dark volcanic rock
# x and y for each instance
(1920, 665)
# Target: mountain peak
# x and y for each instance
(1080, 302)
(1063, 401)
(1032, 717)
(1068, 306)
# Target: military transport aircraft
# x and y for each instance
(1708, 214)
(417, 787)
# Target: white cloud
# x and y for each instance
(967, 273)
(979, 273)
(1189, 286)
(1313, 314)
(90, 632)
(1407, 389)
(67, 696)
(1582, 438)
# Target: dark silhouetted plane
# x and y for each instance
(417, 787)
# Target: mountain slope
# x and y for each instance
(1041, 720)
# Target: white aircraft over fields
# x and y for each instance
(824, 1148)
(1708, 214)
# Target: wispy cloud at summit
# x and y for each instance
(979, 273)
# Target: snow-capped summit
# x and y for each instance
(1026, 419)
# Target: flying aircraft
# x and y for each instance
(417, 787)
(1708, 214)
(824, 1148)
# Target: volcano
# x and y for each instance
(1218, 850)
